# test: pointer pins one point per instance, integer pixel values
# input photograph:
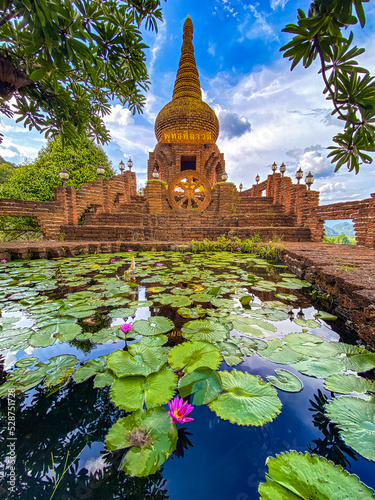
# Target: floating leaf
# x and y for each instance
(280, 353)
(246, 400)
(138, 360)
(325, 316)
(307, 323)
(356, 420)
(249, 346)
(58, 369)
(155, 325)
(320, 368)
(311, 345)
(151, 437)
(296, 476)
(192, 355)
(123, 312)
(273, 314)
(193, 312)
(206, 329)
(286, 381)
(203, 383)
(131, 393)
(92, 367)
(47, 335)
(347, 384)
(286, 296)
(26, 362)
(252, 326)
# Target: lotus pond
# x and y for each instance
(279, 408)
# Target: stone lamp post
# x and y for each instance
(299, 175)
(309, 180)
(274, 167)
(121, 166)
(64, 176)
(100, 171)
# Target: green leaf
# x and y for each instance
(356, 420)
(203, 383)
(151, 437)
(58, 369)
(286, 381)
(138, 360)
(280, 353)
(325, 316)
(131, 393)
(347, 384)
(155, 325)
(307, 323)
(252, 326)
(311, 345)
(206, 329)
(246, 400)
(92, 367)
(295, 476)
(192, 355)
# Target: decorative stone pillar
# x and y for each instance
(228, 198)
(65, 196)
(154, 194)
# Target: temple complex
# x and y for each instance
(187, 195)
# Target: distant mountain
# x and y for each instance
(346, 228)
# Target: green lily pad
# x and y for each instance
(273, 314)
(319, 368)
(203, 383)
(131, 393)
(356, 420)
(155, 325)
(295, 476)
(154, 341)
(191, 312)
(123, 312)
(104, 379)
(192, 355)
(16, 339)
(249, 346)
(58, 369)
(252, 326)
(307, 323)
(47, 335)
(280, 353)
(26, 362)
(311, 345)
(286, 296)
(92, 367)
(347, 384)
(325, 316)
(205, 329)
(138, 360)
(231, 352)
(151, 437)
(246, 400)
(286, 381)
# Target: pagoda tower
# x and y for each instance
(186, 130)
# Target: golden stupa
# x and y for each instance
(187, 119)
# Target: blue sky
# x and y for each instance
(267, 113)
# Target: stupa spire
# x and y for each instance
(187, 82)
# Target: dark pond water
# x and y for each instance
(59, 426)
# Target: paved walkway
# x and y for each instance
(345, 272)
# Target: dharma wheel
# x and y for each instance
(188, 191)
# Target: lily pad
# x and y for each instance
(307, 323)
(347, 384)
(151, 437)
(26, 362)
(246, 400)
(280, 353)
(203, 383)
(58, 369)
(92, 367)
(155, 325)
(206, 329)
(138, 360)
(356, 419)
(123, 312)
(325, 316)
(131, 393)
(47, 335)
(192, 355)
(252, 326)
(295, 476)
(311, 345)
(286, 381)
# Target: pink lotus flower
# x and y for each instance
(4, 261)
(238, 249)
(158, 264)
(113, 260)
(179, 410)
(130, 250)
(126, 328)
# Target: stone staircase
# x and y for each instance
(131, 222)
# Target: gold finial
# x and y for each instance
(187, 82)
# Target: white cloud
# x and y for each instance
(275, 4)
(94, 464)
(212, 49)
(259, 28)
(119, 115)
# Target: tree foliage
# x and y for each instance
(6, 170)
(37, 180)
(64, 60)
(319, 35)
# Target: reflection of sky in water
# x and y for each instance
(227, 461)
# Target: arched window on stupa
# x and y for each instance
(218, 173)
